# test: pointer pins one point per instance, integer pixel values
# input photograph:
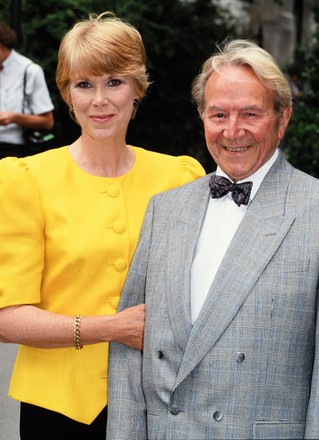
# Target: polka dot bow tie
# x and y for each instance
(220, 186)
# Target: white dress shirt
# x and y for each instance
(221, 222)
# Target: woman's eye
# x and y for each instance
(83, 84)
(114, 82)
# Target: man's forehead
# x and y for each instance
(214, 108)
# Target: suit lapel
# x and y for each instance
(257, 239)
(182, 244)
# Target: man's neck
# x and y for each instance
(4, 53)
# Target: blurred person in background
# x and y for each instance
(25, 101)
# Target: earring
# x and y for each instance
(135, 103)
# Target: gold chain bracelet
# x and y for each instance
(77, 328)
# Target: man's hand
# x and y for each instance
(7, 118)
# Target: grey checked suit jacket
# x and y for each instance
(248, 367)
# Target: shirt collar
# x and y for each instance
(257, 177)
(9, 58)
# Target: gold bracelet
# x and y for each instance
(77, 328)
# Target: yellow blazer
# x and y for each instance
(67, 239)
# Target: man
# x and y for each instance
(24, 97)
(230, 279)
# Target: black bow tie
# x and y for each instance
(220, 186)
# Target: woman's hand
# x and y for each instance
(130, 326)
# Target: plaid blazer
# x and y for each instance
(248, 367)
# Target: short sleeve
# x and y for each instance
(21, 234)
(39, 100)
(191, 169)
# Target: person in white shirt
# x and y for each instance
(228, 269)
(25, 101)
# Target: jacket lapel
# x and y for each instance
(182, 244)
(257, 239)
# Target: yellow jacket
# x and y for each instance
(67, 239)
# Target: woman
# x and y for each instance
(69, 223)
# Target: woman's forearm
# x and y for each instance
(29, 325)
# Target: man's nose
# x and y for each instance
(233, 128)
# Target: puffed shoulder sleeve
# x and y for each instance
(21, 234)
(191, 169)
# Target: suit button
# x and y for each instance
(240, 357)
(218, 416)
(160, 354)
(174, 409)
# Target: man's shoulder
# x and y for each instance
(302, 183)
(299, 189)
(25, 63)
(302, 176)
(20, 59)
(297, 179)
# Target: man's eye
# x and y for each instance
(217, 116)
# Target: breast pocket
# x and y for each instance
(278, 430)
(289, 266)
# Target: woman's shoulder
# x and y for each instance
(16, 180)
(150, 155)
(54, 154)
(189, 167)
(12, 166)
(42, 164)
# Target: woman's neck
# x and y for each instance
(100, 159)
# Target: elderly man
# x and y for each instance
(228, 268)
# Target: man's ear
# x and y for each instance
(284, 121)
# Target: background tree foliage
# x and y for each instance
(302, 143)
(178, 36)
